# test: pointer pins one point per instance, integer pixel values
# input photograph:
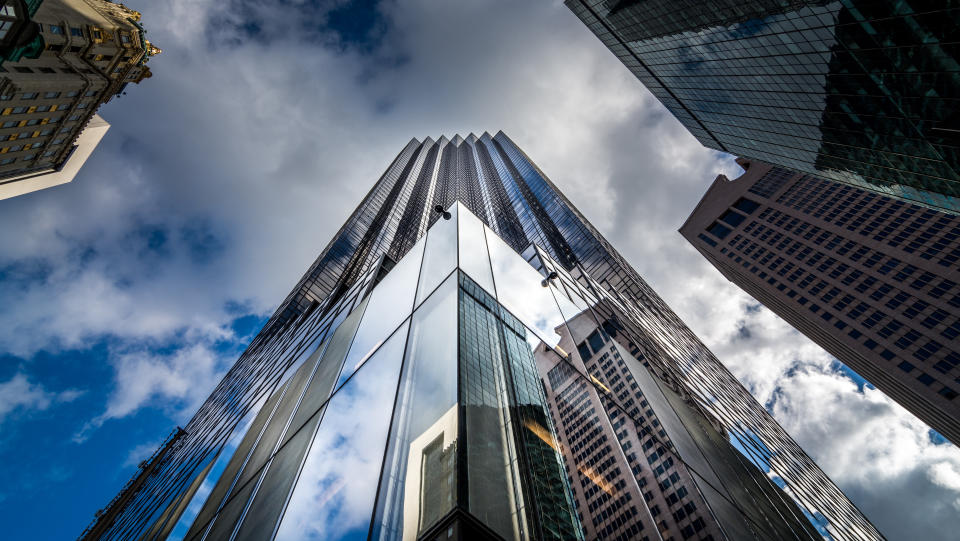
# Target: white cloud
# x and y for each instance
(18, 394)
(876, 451)
(176, 382)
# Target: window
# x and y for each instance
(746, 205)
(16, 148)
(718, 230)
(43, 108)
(124, 38)
(10, 123)
(56, 29)
(22, 69)
(29, 96)
(29, 157)
(73, 93)
(74, 31)
(732, 218)
(18, 110)
(74, 118)
(925, 378)
(707, 239)
(49, 153)
(90, 93)
(6, 161)
(58, 141)
(47, 70)
(83, 105)
(33, 122)
(49, 95)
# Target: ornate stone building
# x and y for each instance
(60, 60)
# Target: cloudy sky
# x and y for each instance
(129, 292)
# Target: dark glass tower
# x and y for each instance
(443, 371)
(865, 92)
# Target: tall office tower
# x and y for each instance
(864, 92)
(407, 389)
(60, 60)
(871, 279)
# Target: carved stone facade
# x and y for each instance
(91, 50)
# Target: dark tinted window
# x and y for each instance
(719, 231)
(746, 205)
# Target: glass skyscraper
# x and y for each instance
(865, 92)
(470, 359)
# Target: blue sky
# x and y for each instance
(131, 290)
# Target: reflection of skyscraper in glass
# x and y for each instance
(861, 92)
(434, 482)
(397, 393)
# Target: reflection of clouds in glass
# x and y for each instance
(334, 495)
(428, 391)
(473, 249)
(390, 302)
(519, 290)
(440, 254)
(220, 464)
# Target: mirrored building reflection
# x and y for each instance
(864, 92)
(470, 359)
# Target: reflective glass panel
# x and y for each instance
(474, 258)
(420, 473)
(494, 489)
(225, 483)
(219, 465)
(321, 384)
(390, 303)
(334, 495)
(278, 422)
(538, 449)
(267, 505)
(519, 289)
(440, 255)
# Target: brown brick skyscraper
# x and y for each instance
(871, 279)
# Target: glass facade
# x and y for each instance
(430, 395)
(865, 92)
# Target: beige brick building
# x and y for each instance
(62, 59)
(871, 279)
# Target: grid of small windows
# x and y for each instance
(817, 274)
(647, 435)
(916, 230)
(817, 244)
(606, 493)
